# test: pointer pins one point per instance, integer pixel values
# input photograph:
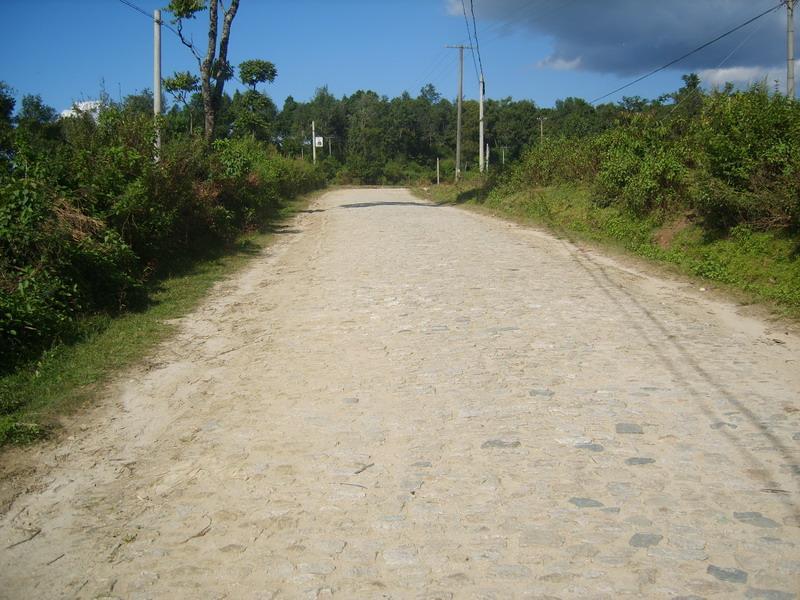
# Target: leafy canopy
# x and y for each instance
(253, 72)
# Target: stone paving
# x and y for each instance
(408, 401)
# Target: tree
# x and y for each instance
(181, 86)
(7, 103)
(215, 69)
(254, 114)
(253, 72)
(429, 93)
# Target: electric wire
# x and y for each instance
(469, 36)
(138, 9)
(442, 55)
(722, 62)
(475, 28)
(690, 53)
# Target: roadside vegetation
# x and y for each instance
(709, 182)
(100, 240)
(102, 237)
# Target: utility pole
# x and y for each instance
(313, 143)
(541, 128)
(480, 123)
(437, 170)
(157, 75)
(329, 145)
(790, 48)
(487, 158)
(461, 49)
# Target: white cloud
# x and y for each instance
(87, 106)
(716, 77)
(559, 64)
(744, 76)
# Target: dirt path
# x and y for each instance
(408, 401)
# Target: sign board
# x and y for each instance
(318, 141)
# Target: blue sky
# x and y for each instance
(535, 49)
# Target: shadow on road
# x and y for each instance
(371, 204)
(635, 312)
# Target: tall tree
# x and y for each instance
(215, 69)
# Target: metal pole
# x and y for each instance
(329, 145)
(458, 119)
(487, 158)
(157, 74)
(313, 142)
(437, 170)
(790, 48)
(480, 122)
(504, 154)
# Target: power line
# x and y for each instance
(722, 62)
(475, 28)
(469, 35)
(688, 54)
(139, 9)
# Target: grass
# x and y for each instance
(69, 376)
(756, 266)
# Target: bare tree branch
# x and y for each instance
(188, 43)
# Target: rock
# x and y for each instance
(629, 428)
(400, 557)
(677, 553)
(585, 503)
(754, 518)
(645, 540)
(591, 446)
(545, 393)
(769, 594)
(500, 444)
(640, 460)
(723, 574)
(511, 571)
(319, 568)
(541, 537)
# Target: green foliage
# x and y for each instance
(186, 9)
(253, 72)
(733, 157)
(56, 263)
(88, 215)
(181, 85)
(254, 114)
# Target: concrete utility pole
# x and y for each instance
(790, 48)
(541, 128)
(461, 49)
(487, 158)
(313, 143)
(480, 123)
(157, 73)
(437, 170)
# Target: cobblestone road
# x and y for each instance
(408, 401)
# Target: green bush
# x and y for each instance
(57, 263)
(88, 213)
